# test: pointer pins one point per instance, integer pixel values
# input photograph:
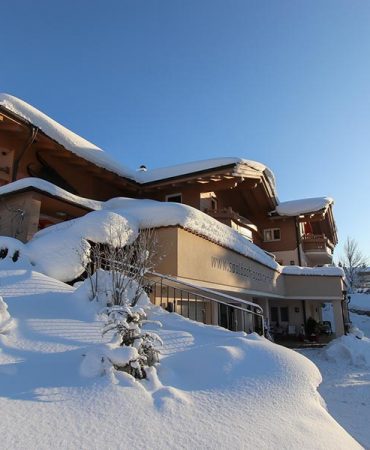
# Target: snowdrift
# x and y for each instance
(212, 389)
(352, 349)
(360, 302)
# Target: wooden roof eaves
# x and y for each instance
(188, 176)
(46, 194)
(27, 123)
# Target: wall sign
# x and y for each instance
(243, 270)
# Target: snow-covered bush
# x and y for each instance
(126, 324)
(104, 287)
(62, 251)
(131, 349)
(6, 322)
(126, 262)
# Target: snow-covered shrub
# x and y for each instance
(62, 251)
(126, 262)
(104, 287)
(6, 322)
(126, 323)
(116, 280)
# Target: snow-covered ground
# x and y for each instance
(212, 389)
(346, 380)
(360, 302)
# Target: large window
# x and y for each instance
(271, 234)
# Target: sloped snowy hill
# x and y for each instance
(212, 389)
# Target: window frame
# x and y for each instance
(272, 233)
(169, 196)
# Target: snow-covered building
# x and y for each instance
(236, 237)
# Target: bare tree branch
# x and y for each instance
(351, 261)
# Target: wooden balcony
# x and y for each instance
(317, 248)
(234, 220)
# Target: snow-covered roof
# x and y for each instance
(327, 271)
(85, 149)
(163, 173)
(51, 189)
(69, 140)
(303, 206)
(156, 214)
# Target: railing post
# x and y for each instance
(196, 307)
(188, 306)
(161, 291)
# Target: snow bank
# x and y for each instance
(99, 359)
(352, 349)
(303, 206)
(6, 322)
(51, 189)
(69, 140)
(213, 388)
(360, 302)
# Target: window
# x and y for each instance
(271, 234)
(176, 198)
(274, 314)
(284, 314)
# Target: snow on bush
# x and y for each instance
(352, 349)
(62, 251)
(100, 287)
(131, 348)
(6, 322)
(126, 322)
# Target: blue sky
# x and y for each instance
(286, 83)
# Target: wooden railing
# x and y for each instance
(317, 242)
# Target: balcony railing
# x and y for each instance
(204, 305)
(317, 242)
